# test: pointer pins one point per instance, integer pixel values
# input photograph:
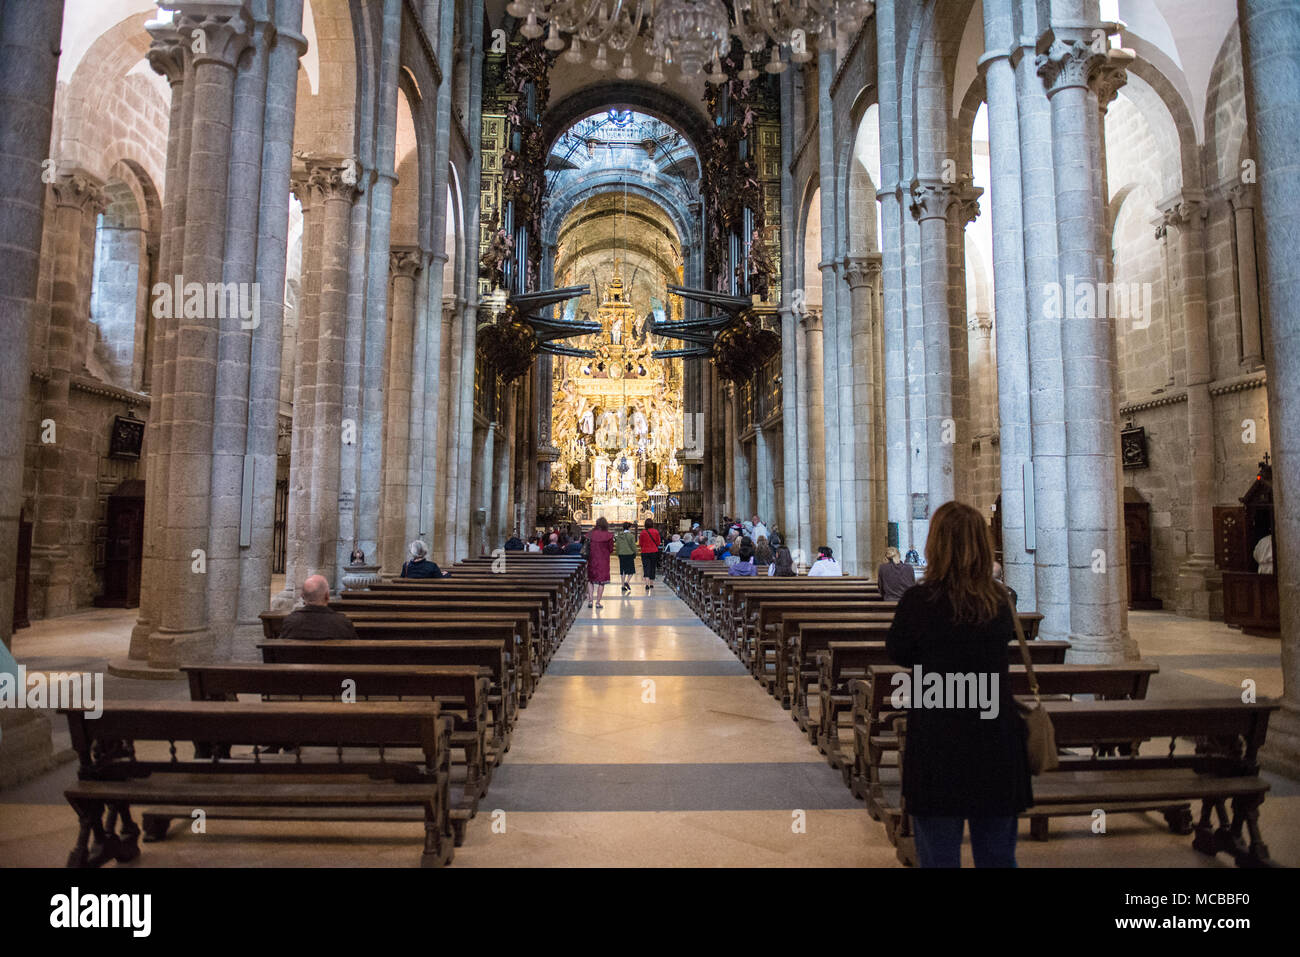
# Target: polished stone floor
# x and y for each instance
(646, 744)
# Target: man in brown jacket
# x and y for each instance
(315, 620)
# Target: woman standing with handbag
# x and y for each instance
(963, 763)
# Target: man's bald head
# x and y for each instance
(316, 590)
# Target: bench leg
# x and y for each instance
(437, 849)
(1245, 810)
(1204, 842)
(1038, 827)
(128, 848)
(1179, 819)
(90, 815)
(155, 827)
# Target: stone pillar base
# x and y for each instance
(26, 746)
(168, 649)
(1281, 751)
(1097, 650)
(1200, 591)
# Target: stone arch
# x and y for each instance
(650, 100)
(1227, 137)
(808, 245)
(114, 105)
(326, 122)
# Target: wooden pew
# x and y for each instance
(1227, 769)
(114, 774)
(461, 693)
(418, 625)
(479, 594)
(867, 767)
(490, 655)
(813, 634)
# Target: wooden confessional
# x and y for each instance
(1137, 535)
(1249, 598)
(124, 547)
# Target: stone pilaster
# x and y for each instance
(932, 204)
(816, 433)
(1241, 196)
(1270, 40)
(78, 200)
(1068, 65)
(862, 273)
(167, 56)
(404, 266)
(1199, 585)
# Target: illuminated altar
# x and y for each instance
(617, 414)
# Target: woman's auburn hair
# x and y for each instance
(959, 562)
(602, 523)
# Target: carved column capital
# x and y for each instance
(168, 53)
(811, 320)
(334, 179)
(216, 37)
(981, 324)
(79, 191)
(1184, 209)
(1241, 195)
(1065, 63)
(405, 262)
(1107, 80)
(861, 271)
(933, 199)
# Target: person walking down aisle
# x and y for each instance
(600, 544)
(965, 762)
(649, 544)
(625, 548)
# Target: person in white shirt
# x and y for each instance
(532, 546)
(675, 545)
(759, 530)
(1263, 555)
(826, 565)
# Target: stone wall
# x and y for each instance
(92, 476)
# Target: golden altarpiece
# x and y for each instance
(617, 415)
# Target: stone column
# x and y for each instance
(78, 200)
(461, 439)
(503, 472)
(167, 56)
(233, 470)
(931, 202)
(405, 265)
(795, 481)
(299, 556)
(1270, 40)
(444, 513)
(483, 503)
(281, 98)
(1242, 198)
(861, 273)
(29, 58)
(816, 433)
(764, 499)
(1098, 616)
(315, 501)
(1200, 592)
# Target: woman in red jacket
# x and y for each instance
(649, 543)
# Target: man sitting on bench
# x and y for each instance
(316, 620)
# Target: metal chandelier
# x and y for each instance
(688, 33)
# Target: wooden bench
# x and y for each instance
(490, 655)
(867, 769)
(461, 693)
(1223, 768)
(113, 776)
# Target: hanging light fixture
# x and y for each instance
(689, 33)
